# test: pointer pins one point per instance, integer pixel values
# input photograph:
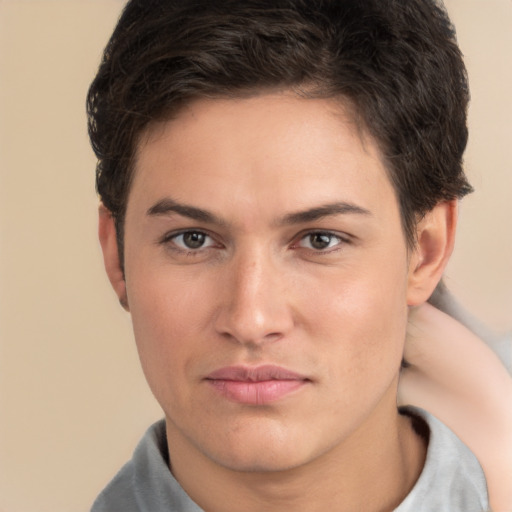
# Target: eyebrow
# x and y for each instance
(325, 210)
(168, 206)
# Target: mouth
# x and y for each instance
(256, 385)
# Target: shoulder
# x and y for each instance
(121, 492)
(145, 483)
(452, 479)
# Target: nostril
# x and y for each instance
(251, 339)
(273, 336)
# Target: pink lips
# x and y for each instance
(255, 386)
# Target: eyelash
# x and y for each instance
(169, 240)
(341, 241)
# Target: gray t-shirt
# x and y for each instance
(451, 481)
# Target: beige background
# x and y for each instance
(73, 401)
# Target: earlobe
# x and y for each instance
(108, 242)
(435, 241)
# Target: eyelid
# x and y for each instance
(169, 238)
(343, 238)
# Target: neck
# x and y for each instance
(372, 470)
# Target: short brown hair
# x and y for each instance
(396, 61)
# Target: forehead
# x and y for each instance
(278, 150)
(267, 111)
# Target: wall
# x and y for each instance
(73, 401)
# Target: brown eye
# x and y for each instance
(320, 241)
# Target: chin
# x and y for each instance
(263, 460)
(263, 449)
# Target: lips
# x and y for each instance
(255, 385)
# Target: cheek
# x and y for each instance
(166, 317)
(164, 304)
(363, 318)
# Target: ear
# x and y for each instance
(435, 241)
(108, 242)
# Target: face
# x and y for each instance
(267, 278)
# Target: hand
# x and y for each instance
(454, 375)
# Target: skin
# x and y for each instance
(268, 174)
(458, 378)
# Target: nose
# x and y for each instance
(255, 306)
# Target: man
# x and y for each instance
(278, 183)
